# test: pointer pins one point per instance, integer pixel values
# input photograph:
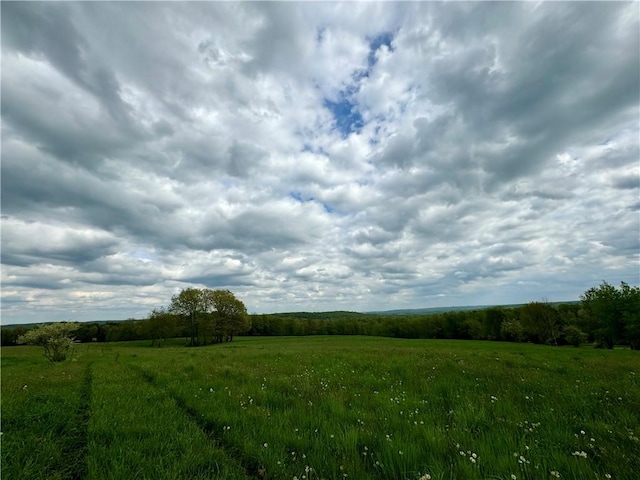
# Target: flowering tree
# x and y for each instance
(55, 338)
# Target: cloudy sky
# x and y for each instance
(316, 156)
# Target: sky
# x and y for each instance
(316, 156)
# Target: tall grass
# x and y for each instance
(351, 407)
(44, 409)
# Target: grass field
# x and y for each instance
(322, 408)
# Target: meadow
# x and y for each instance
(322, 407)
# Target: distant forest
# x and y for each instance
(605, 317)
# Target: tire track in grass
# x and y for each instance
(251, 466)
(80, 448)
(138, 431)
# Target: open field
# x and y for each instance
(322, 407)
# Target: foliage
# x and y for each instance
(540, 322)
(230, 315)
(55, 338)
(612, 315)
(10, 335)
(608, 316)
(161, 325)
(574, 336)
(192, 307)
(209, 314)
(512, 330)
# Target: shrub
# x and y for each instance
(55, 338)
(574, 336)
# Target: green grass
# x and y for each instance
(322, 408)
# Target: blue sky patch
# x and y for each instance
(346, 115)
(302, 199)
(382, 39)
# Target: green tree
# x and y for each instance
(512, 330)
(540, 322)
(230, 315)
(10, 335)
(55, 338)
(494, 317)
(161, 325)
(612, 315)
(210, 312)
(191, 305)
(631, 314)
(574, 336)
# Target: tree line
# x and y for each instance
(606, 316)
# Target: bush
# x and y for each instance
(55, 338)
(574, 336)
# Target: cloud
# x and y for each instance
(316, 156)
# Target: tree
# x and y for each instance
(540, 322)
(55, 338)
(205, 311)
(612, 315)
(630, 311)
(231, 315)
(511, 330)
(161, 325)
(191, 305)
(10, 335)
(494, 318)
(574, 336)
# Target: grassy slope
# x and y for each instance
(323, 407)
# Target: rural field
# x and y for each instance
(322, 407)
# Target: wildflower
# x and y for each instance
(554, 473)
(513, 476)
(582, 454)
(426, 476)
(265, 445)
(24, 388)
(607, 475)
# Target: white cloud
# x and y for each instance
(477, 153)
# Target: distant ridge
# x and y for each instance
(328, 315)
(434, 310)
